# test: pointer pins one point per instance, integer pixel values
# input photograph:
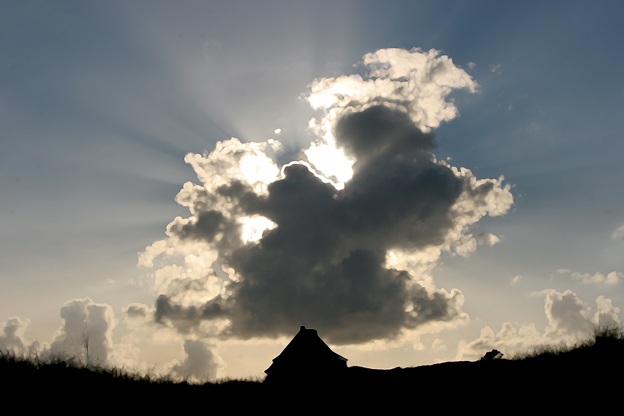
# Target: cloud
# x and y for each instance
(487, 239)
(12, 337)
(569, 321)
(566, 314)
(85, 337)
(200, 365)
(495, 68)
(136, 310)
(85, 334)
(596, 278)
(344, 249)
(438, 345)
(607, 315)
(618, 234)
(417, 82)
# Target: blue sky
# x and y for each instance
(100, 103)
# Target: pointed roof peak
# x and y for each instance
(307, 347)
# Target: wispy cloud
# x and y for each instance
(618, 234)
(611, 278)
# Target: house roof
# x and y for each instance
(307, 346)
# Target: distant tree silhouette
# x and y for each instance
(492, 355)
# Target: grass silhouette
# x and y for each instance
(558, 378)
(604, 342)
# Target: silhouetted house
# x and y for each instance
(306, 359)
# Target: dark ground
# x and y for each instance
(587, 378)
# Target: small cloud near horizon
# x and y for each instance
(569, 321)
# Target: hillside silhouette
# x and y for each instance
(586, 377)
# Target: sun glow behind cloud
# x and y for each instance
(331, 162)
(253, 227)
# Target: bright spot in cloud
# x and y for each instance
(254, 227)
(258, 169)
(331, 162)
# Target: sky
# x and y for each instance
(184, 184)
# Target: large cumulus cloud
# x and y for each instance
(341, 241)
